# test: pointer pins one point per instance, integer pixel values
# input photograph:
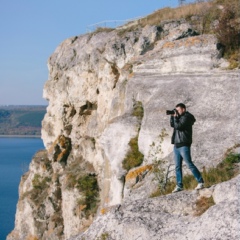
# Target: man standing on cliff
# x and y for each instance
(182, 122)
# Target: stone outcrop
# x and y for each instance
(95, 80)
(174, 216)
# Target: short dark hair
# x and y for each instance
(181, 105)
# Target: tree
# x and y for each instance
(228, 30)
(161, 168)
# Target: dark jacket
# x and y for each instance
(182, 133)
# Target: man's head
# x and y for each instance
(181, 108)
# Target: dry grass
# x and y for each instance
(103, 29)
(169, 187)
(184, 11)
(202, 15)
(224, 171)
(203, 204)
(39, 191)
(219, 17)
(210, 10)
(31, 237)
(137, 172)
(234, 60)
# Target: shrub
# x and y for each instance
(134, 157)
(228, 30)
(80, 175)
(40, 189)
(40, 183)
(160, 170)
(75, 169)
(104, 236)
(88, 185)
(138, 110)
(233, 58)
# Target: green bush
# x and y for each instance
(88, 185)
(104, 236)
(138, 110)
(80, 175)
(40, 189)
(39, 182)
(134, 157)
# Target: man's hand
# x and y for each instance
(175, 114)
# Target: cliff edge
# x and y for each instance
(108, 92)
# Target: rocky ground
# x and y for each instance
(174, 216)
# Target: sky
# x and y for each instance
(30, 31)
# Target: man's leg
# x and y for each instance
(186, 154)
(178, 167)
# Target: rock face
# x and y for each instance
(95, 83)
(174, 216)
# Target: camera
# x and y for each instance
(171, 112)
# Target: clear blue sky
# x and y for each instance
(32, 29)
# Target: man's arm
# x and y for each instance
(181, 123)
(172, 121)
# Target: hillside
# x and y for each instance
(21, 120)
(107, 135)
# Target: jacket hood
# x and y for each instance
(189, 115)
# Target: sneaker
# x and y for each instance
(177, 189)
(200, 186)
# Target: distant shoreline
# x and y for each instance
(20, 136)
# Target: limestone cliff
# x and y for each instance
(97, 84)
(172, 217)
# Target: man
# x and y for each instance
(182, 122)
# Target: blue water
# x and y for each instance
(15, 156)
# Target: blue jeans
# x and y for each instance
(184, 153)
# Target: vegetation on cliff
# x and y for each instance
(219, 17)
(82, 170)
(224, 171)
(81, 176)
(134, 157)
